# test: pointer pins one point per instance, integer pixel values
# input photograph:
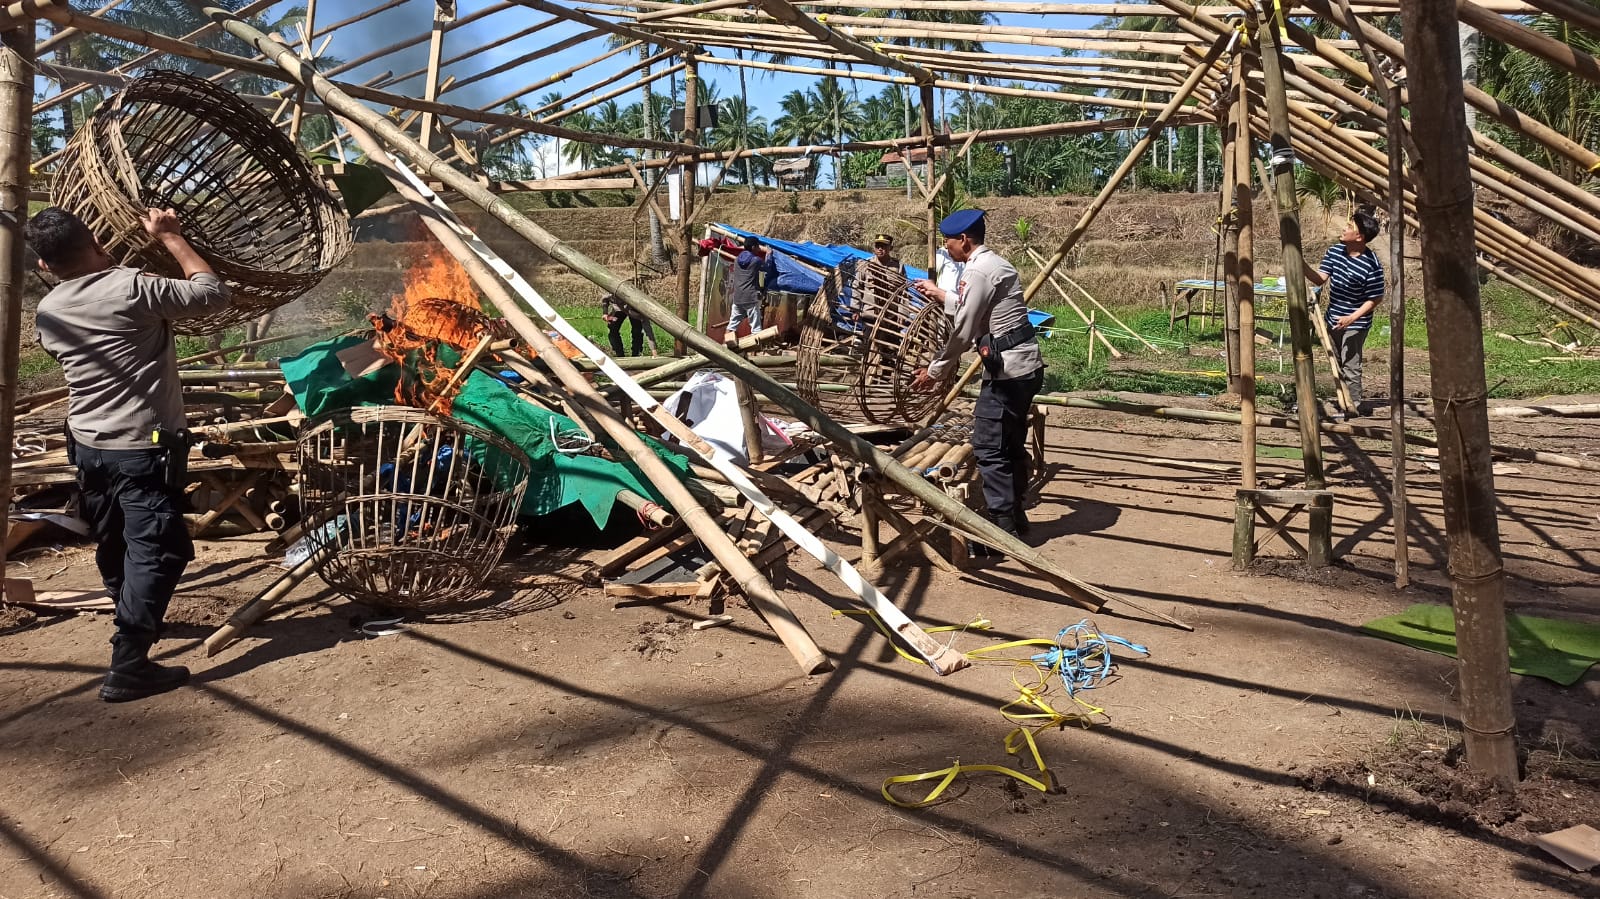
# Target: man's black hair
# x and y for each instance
(752, 242)
(976, 231)
(1366, 223)
(57, 236)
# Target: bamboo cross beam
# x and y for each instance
(1515, 34)
(594, 21)
(57, 11)
(1493, 107)
(783, 12)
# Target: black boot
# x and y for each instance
(134, 676)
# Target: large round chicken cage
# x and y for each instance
(856, 361)
(249, 202)
(409, 510)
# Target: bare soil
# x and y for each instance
(544, 744)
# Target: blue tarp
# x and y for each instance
(799, 279)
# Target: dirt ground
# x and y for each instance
(554, 746)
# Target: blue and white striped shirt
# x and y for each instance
(1352, 281)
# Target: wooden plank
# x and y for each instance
(669, 590)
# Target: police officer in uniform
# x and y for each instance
(990, 315)
(110, 327)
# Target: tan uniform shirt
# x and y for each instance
(112, 333)
(989, 301)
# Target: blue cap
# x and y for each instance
(956, 223)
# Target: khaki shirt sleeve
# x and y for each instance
(174, 299)
(977, 296)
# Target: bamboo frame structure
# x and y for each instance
(1310, 101)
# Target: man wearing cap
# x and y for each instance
(871, 287)
(749, 278)
(990, 314)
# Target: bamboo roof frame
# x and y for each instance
(1131, 70)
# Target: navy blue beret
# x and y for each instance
(956, 223)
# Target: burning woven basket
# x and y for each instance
(249, 202)
(414, 508)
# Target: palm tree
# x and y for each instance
(1551, 94)
(840, 112)
(740, 128)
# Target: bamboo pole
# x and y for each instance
(954, 512)
(1514, 34)
(57, 11)
(1497, 109)
(783, 12)
(1294, 279)
(1395, 126)
(1455, 352)
(264, 602)
(691, 136)
(1071, 303)
(1244, 287)
(16, 127)
(1227, 234)
(755, 586)
(1218, 46)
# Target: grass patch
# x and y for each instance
(1513, 369)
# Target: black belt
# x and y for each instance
(991, 346)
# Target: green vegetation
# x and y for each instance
(1514, 368)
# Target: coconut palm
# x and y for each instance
(1553, 95)
(740, 127)
(840, 113)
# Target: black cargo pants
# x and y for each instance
(135, 515)
(1000, 444)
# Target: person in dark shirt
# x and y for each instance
(749, 279)
(615, 311)
(1354, 280)
(110, 327)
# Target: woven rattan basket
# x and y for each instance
(414, 508)
(249, 202)
(888, 333)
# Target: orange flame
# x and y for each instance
(438, 306)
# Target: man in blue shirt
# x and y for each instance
(749, 278)
(1354, 280)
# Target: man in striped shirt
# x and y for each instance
(1354, 280)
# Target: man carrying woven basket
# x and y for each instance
(110, 328)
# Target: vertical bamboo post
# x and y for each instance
(1201, 69)
(309, 27)
(925, 92)
(1244, 288)
(691, 136)
(1319, 539)
(1228, 236)
(442, 16)
(1394, 125)
(16, 149)
(1460, 396)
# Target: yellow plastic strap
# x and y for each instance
(948, 776)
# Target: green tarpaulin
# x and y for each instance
(556, 479)
(1559, 651)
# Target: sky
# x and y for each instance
(415, 17)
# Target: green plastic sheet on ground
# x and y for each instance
(1555, 650)
(555, 480)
